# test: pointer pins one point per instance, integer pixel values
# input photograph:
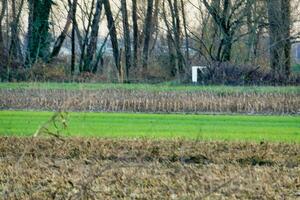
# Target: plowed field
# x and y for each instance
(41, 168)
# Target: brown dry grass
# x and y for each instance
(142, 169)
(118, 100)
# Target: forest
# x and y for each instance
(241, 42)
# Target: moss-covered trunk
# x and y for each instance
(38, 46)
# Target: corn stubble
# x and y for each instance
(118, 100)
(142, 169)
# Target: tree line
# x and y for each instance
(148, 38)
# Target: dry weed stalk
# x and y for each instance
(59, 122)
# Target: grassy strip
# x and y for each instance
(157, 87)
(204, 127)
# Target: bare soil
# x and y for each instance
(48, 168)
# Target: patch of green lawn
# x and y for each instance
(155, 87)
(160, 126)
(296, 68)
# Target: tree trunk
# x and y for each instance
(147, 33)
(85, 41)
(171, 47)
(60, 40)
(38, 30)
(92, 46)
(15, 52)
(155, 26)
(113, 35)
(275, 44)
(30, 54)
(250, 29)
(2, 13)
(74, 25)
(215, 31)
(222, 19)
(279, 31)
(127, 40)
(135, 33)
(226, 54)
(187, 48)
(177, 31)
(15, 43)
(286, 28)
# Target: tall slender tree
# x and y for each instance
(61, 38)
(279, 31)
(127, 40)
(2, 13)
(74, 25)
(286, 32)
(170, 42)
(147, 34)
(85, 40)
(187, 44)
(92, 46)
(15, 51)
(177, 37)
(113, 36)
(135, 33)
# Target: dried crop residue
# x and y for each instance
(144, 169)
(118, 100)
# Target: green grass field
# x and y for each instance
(154, 126)
(154, 87)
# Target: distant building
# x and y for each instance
(296, 53)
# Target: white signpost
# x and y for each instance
(195, 70)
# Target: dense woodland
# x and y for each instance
(240, 41)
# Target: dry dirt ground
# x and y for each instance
(48, 168)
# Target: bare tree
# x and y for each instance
(147, 34)
(229, 17)
(127, 40)
(60, 40)
(155, 26)
(113, 36)
(15, 51)
(74, 24)
(170, 42)
(255, 22)
(2, 13)
(87, 27)
(92, 46)
(135, 33)
(177, 36)
(174, 38)
(187, 46)
(286, 29)
(280, 45)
